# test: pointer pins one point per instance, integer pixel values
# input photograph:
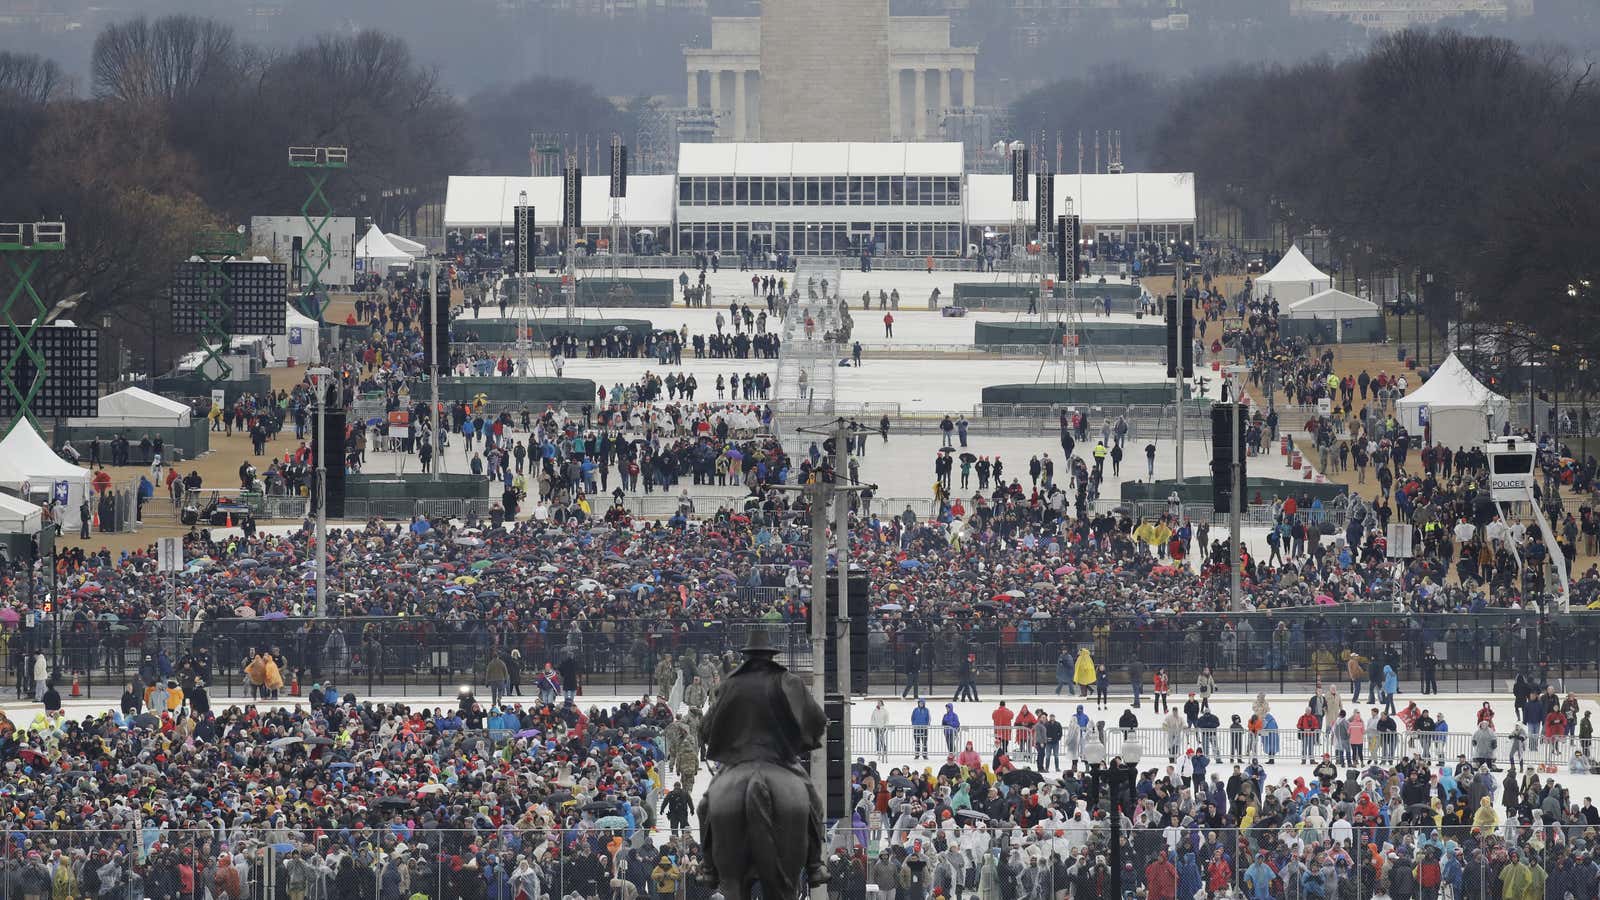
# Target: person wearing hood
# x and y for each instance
(920, 720)
(1189, 882)
(1173, 726)
(880, 728)
(1258, 878)
(952, 727)
(1391, 687)
(1084, 673)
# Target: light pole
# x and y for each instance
(1123, 769)
(319, 396)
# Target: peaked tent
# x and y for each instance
(137, 406)
(26, 459)
(19, 516)
(1332, 315)
(376, 253)
(1453, 407)
(300, 341)
(406, 244)
(1294, 278)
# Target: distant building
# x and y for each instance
(828, 89)
(1393, 15)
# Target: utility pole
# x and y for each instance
(1178, 379)
(320, 389)
(433, 369)
(1235, 594)
(841, 561)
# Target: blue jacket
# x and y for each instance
(950, 720)
(920, 715)
(1391, 681)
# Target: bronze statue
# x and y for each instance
(761, 801)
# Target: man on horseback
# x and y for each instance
(764, 713)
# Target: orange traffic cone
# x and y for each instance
(229, 522)
(76, 692)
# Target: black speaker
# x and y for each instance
(619, 171)
(835, 750)
(1222, 455)
(856, 607)
(522, 237)
(1019, 176)
(297, 260)
(1063, 252)
(1186, 351)
(572, 198)
(435, 318)
(1075, 237)
(333, 426)
(1174, 354)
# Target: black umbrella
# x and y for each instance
(602, 806)
(968, 457)
(972, 814)
(395, 803)
(1022, 778)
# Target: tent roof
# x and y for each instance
(136, 402)
(18, 516)
(406, 244)
(489, 201)
(1453, 386)
(24, 456)
(297, 319)
(1126, 199)
(1331, 303)
(376, 245)
(1295, 267)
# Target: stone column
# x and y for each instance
(740, 113)
(944, 91)
(969, 87)
(895, 131)
(716, 98)
(919, 84)
(693, 94)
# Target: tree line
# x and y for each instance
(184, 127)
(1435, 153)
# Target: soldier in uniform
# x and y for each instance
(765, 713)
(710, 672)
(687, 760)
(666, 672)
(695, 694)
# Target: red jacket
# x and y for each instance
(1001, 717)
(1307, 722)
(1161, 880)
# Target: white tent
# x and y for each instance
(376, 253)
(18, 516)
(135, 407)
(299, 341)
(1456, 408)
(1294, 278)
(1334, 306)
(406, 244)
(25, 459)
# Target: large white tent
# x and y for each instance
(1457, 408)
(299, 341)
(1294, 278)
(19, 516)
(1338, 307)
(376, 253)
(406, 244)
(135, 408)
(25, 459)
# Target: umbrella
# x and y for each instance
(394, 803)
(973, 814)
(481, 564)
(911, 564)
(319, 741)
(891, 607)
(968, 458)
(547, 568)
(434, 788)
(246, 563)
(468, 542)
(280, 743)
(602, 806)
(465, 579)
(1015, 594)
(611, 822)
(283, 847)
(1022, 778)
(528, 733)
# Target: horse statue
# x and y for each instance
(761, 818)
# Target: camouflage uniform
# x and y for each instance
(666, 674)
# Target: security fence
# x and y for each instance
(1024, 657)
(1030, 746)
(1096, 858)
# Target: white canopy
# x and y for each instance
(489, 201)
(1128, 199)
(406, 244)
(18, 516)
(26, 459)
(1459, 410)
(1330, 304)
(136, 406)
(377, 252)
(1293, 279)
(299, 341)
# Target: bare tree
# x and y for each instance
(166, 61)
